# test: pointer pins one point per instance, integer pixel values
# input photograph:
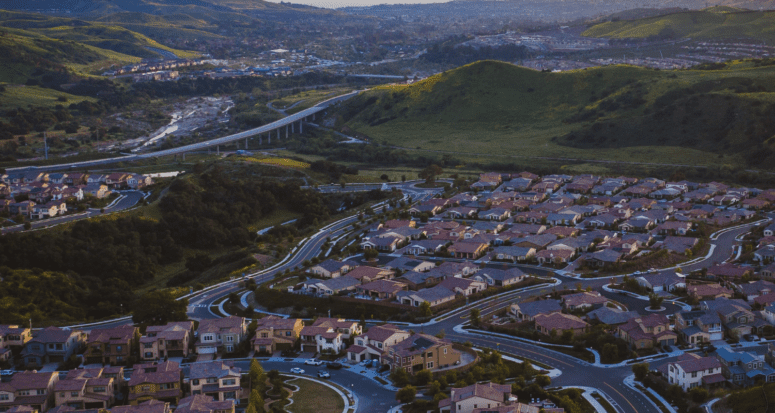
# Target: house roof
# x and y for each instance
(30, 380)
(533, 308)
(231, 324)
(341, 283)
(115, 335)
(611, 316)
(418, 343)
(333, 265)
(585, 297)
(53, 335)
(369, 272)
(491, 391)
(559, 321)
(200, 403)
(165, 372)
(501, 275)
(383, 286)
(216, 369)
(383, 332)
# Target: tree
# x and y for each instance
(27, 225)
(655, 301)
(256, 373)
(698, 394)
(406, 395)
(567, 336)
(641, 370)
(423, 377)
(425, 309)
(475, 313)
(399, 377)
(543, 380)
(256, 401)
(370, 254)
(159, 307)
(430, 173)
(384, 177)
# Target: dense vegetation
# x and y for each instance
(451, 53)
(94, 266)
(616, 113)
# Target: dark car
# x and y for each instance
(383, 368)
(334, 365)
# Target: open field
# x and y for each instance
(22, 96)
(314, 398)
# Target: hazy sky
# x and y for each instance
(333, 4)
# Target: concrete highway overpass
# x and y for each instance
(288, 124)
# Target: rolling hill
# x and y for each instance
(712, 23)
(616, 113)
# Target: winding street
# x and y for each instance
(375, 398)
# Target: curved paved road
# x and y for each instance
(128, 200)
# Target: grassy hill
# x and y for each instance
(618, 113)
(33, 44)
(713, 23)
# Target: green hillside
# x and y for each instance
(712, 23)
(618, 113)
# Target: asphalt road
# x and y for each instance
(129, 199)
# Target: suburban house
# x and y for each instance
(28, 388)
(752, 290)
(691, 370)
(381, 289)
(559, 322)
(170, 340)
(321, 340)
(200, 403)
(331, 268)
(346, 328)
(477, 396)
(159, 381)
(583, 300)
(514, 254)
(422, 352)
(366, 274)
(611, 316)
(52, 345)
(464, 286)
(275, 333)
(216, 379)
(409, 264)
(220, 334)
(744, 369)
(527, 311)
(467, 250)
(662, 281)
(374, 343)
(434, 296)
(85, 389)
(647, 332)
(708, 291)
(331, 286)
(111, 345)
(500, 278)
(419, 280)
(554, 257)
(698, 326)
(12, 336)
(148, 406)
(729, 271)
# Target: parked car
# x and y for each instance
(313, 362)
(334, 365)
(383, 368)
(297, 370)
(324, 374)
(288, 353)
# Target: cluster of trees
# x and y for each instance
(59, 297)
(453, 54)
(333, 170)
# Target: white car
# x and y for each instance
(297, 370)
(323, 374)
(313, 362)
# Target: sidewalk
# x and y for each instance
(629, 381)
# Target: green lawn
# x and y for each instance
(23, 96)
(315, 398)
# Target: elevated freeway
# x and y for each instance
(275, 128)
